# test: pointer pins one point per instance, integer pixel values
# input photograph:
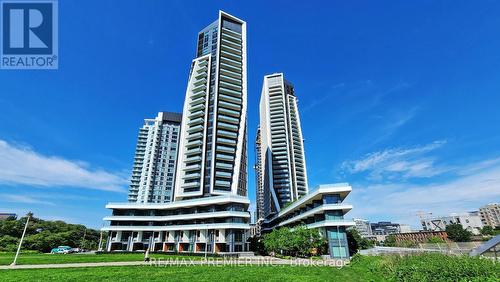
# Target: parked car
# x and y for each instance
(62, 250)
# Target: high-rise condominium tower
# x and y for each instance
(281, 149)
(209, 208)
(212, 156)
(155, 159)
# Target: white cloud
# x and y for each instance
(398, 162)
(401, 202)
(22, 199)
(21, 165)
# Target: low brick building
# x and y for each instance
(420, 237)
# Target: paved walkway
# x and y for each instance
(262, 261)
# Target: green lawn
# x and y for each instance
(33, 258)
(424, 267)
(192, 273)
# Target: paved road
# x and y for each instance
(188, 262)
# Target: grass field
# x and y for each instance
(192, 273)
(425, 267)
(34, 258)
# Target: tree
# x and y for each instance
(390, 241)
(300, 241)
(457, 233)
(487, 230)
(356, 242)
(42, 235)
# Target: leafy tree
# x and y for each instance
(300, 241)
(457, 233)
(42, 235)
(356, 242)
(390, 241)
(487, 230)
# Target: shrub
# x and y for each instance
(430, 267)
(435, 240)
(457, 233)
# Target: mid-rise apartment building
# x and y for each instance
(155, 160)
(363, 227)
(490, 215)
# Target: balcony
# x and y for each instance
(224, 157)
(229, 79)
(230, 85)
(224, 149)
(195, 121)
(195, 128)
(230, 106)
(230, 37)
(191, 185)
(227, 48)
(230, 68)
(199, 88)
(223, 165)
(229, 43)
(227, 126)
(229, 99)
(236, 75)
(192, 167)
(222, 183)
(227, 91)
(223, 174)
(229, 119)
(231, 62)
(226, 141)
(192, 176)
(224, 133)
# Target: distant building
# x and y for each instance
(490, 215)
(153, 175)
(363, 227)
(405, 228)
(420, 237)
(4, 216)
(470, 221)
(385, 228)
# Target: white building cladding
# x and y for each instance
(155, 159)
(283, 167)
(470, 221)
(322, 209)
(213, 155)
(209, 211)
(215, 223)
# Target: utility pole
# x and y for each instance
(99, 248)
(21, 241)
(83, 240)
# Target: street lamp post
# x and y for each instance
(21, 241)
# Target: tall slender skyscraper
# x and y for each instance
(155, 159)
(283, 166)
(213, 156)
(209, 210)
(259, 177)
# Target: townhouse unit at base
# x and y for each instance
(213, 224)
(321, 209)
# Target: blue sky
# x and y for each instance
(399, 99)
